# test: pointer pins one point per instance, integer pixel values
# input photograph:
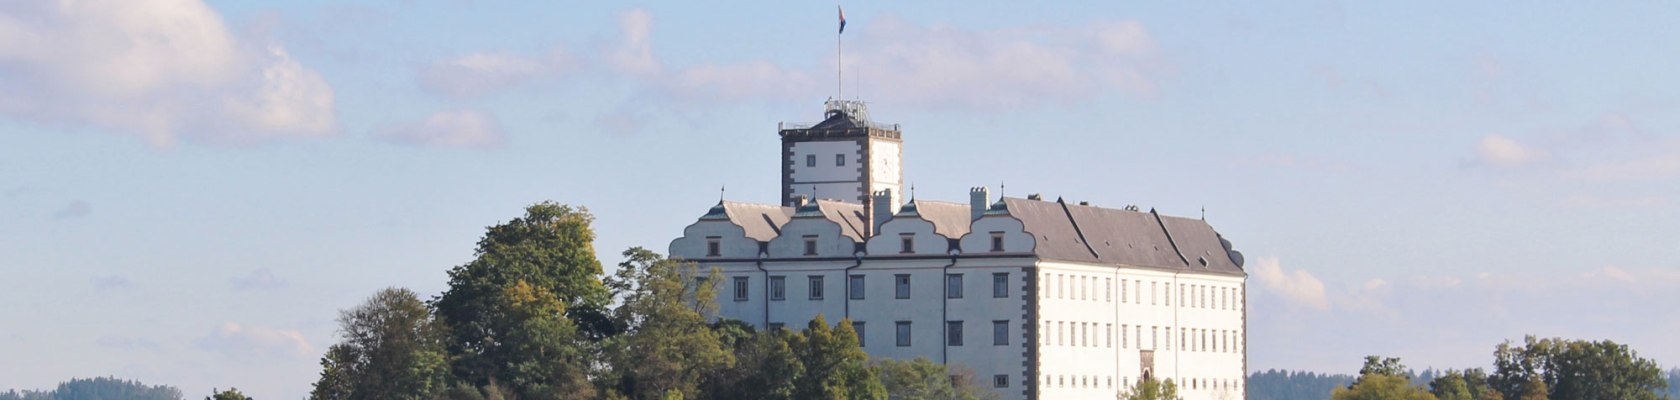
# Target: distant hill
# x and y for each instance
(1294, 385)
(98, 389)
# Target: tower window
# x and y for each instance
(810, 160)
(839, 160)
(1000, 381)
(901, 286)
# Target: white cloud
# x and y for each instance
(634, 53)
(477, 74)
(162, 69)
(1298, 286)
(947, 67)
(461, 128)
(1501, 151)
(261, 278)
(236, 340)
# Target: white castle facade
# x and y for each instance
(1040, 299)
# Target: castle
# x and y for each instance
(1040, 299)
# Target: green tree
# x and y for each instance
(924, 379)
(1151, 389)
(544, 357)
(389, 348)
(835, 366)
(548, 251)
(1382, 379)
(766, 367)
(1470, 384)
(1574, 369)
(97, 389)
(230, 394)
(666, 348)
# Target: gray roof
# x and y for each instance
(848, 215)
(1079, 233)
(951, 220)
(761, 222)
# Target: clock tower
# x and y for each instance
(845, 157)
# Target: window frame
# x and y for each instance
(901, 286)
(810, 245)
(778, 287)
(840, 160)
(814, 287)
(855, 287)
(810, 161)
(902, 332)
(1000, 285)
(714, 246)
(741, 288)
(997, 242)
(1000, 333)
(953, 286)
(954, 333)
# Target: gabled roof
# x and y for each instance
(950, 220)
(848, 215)
(1079, 233)
(761, 222)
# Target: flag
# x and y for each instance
(842, 18)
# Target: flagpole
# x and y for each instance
(839, 74)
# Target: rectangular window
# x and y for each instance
(816, 286)
(907, 242)
(1137, 292)
(1108, 290)
(778, 287)
(997, 241)
(1000, 333)
(740, 288)
(811, 161)
(810, 245)
(858, 327)
(1154, 293)
(901, 286)
(953, 333)
(1061, 286)
(855, 286)
(839, 160)
(1154, 337)
(1166, 288)
(1123, 336)
(1000, 285)
(1108, 335)
(1122, 290)
(953, 286)
(1000, 381)
(713, 248)
(1169, 339)
(903, 333)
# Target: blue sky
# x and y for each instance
(189, 191)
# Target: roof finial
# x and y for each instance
(1204, 212)
(1000, 189)
(721, 190)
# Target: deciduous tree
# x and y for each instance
(666, 347)
(389, 348)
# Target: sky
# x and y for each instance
(190, 190)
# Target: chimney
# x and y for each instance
(1035, 196)
(978, 201)
(882, 207)
(800, 201)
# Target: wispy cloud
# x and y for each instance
(633, 53)
(110, 282)
(243, 341)
(1299, 286)
(478, 74)
(261, 278)
(459, 128)
(75, 209)
(157, 68)
(1500, 151)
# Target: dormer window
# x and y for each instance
(810, 245)
(713, 247)
(997, 241)
(908, 240)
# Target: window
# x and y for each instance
(1000, 333)
(816, 286)
(901, 286)
(1123, 336)
(775, 326)
(858, 327)
(1108, 335)
(839, 160)
(1137, 292)
(778, 287)
(997, 241)
(953, 286)
(1000, 285)
(712, 247)
(855, 285)
(1154, 337)
(811, 161)
(1108, 290)
(1153, 298)
(740, 288)
(1122, 290)
(1169, 339)
(908, 242)
(1000, 381)
(903, 333)
(1137, 331)
(953, 333)
(810, 245)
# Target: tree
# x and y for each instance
(543, 356)
(1151, 389)
(548, 253)
(765, 366)
(1574, 369)
(835, 366)
(230, 394)
(1470, 384)
(666, 347)
(98, 388)
(924, 379)
(1382, 379)
(389, 348)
